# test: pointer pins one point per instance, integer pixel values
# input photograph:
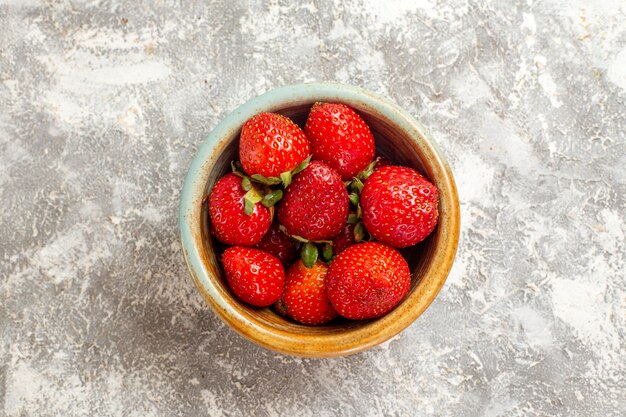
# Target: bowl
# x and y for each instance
(400, 138)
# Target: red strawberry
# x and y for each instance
(231, 225)
(399, 206)
(315, 206)
(367, 280)
(279, 244)
(344, 239)
(256, 277)
(305, 294)
(339, 137)
(271, 144)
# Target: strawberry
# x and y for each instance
(271, 144)
(315, 206)
(255, 276)
(339, 137)
(279, 244)
(344, 239)
(305, 294)
(229, 221)
(399, 206)
(367, 280)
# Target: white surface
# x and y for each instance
(102, 104)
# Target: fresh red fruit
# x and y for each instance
(305, 294)
(279, 244)
(271, 144)
(344, 239)
(339, 137)
(316, 204)
(399, 206)
(367, 280)
(255, 276)
(230, 224)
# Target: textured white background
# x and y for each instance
(103, 103)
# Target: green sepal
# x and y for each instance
(250, 199)
(300, 239)
(246, 184)
(354, 198)
(309, 254)
(359, 232)
(248, 207)
(283, 229)
(272, 198)
(327, 252)
(357, 185)
(359, 213)
(303, 240)
(237, 169)
(285, 177)
(301, 166)
(330, 242)
(352, 218)
(363, 175)
(267, 181)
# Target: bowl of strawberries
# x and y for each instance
(319, 219)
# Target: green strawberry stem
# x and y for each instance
(356, 185)
(301, 166)
(363, 175)
(309, 250)
(250, 199)
(300, 238)
(303, 240)
(359, 232)
(285, 177)
(327, 252)
(269, 197)
(265, 180)
(309, 254)
(237, 169)
(246, 184)
(272, 198)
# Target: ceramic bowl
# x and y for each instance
(400, 138)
